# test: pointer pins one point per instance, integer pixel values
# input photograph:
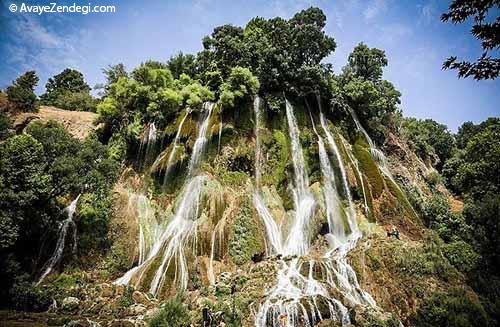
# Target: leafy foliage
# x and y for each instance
(241, 84)
(486, 67)
(21, 92)
(361, 88)
(454, 308)
(37, 169)
(68, 90)
(429, 138)
(172, 314)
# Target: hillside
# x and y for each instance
(246, 185)
(78, 123)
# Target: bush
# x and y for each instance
(78, 101)
(172, 314)
(27, 297)
(455, 308)
(461, 255)
(21, 93)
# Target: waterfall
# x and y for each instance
(175, 237)
(297, 242)
(171, 156)
(331, 142)
(295, 298)
(330, 194)
(378, 155)
(170, 245)
(256, 108)
(274, 245)
(355, 165)
(201, 140)
(220, 133)
(147, 144)
(141, 208)
(61, 240)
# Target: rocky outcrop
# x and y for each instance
(77, 123)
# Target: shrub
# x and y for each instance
(21, 92)
(461, 255)
(27, 297)
(172, 314)
(455, 308)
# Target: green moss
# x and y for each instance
(370, 169)
(243, 240)
(402, 199)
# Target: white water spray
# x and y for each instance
(61, 240)
(201, 140)
(181, 232)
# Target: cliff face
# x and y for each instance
(78, 123)
(238, 252)
(272, 219)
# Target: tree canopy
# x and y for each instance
(488, 32)
(22, 92)
(68, 90)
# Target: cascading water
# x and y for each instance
(147, 146)
(330, 194)
(343, 174)
(201, 140)
(175, 143)
(355, 165)
(61, 240)
(171, 245)
(378, 155)
(294, 300)
(297, 242)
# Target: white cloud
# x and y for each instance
(374, 8)
(428, 13)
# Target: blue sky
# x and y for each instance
(415, 40)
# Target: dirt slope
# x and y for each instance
(78, 123)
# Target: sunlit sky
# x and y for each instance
(415, 40)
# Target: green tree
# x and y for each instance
(182, 64)
(488, 32)
(68, 90)
(240, 84)
(22, 92)
(366, 62)
(429, 138)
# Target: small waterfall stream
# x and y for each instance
(61, 240)
(330, 194)
(147, 145)
(297, 242)
(294, 300)
(170, 246)
(171, 156)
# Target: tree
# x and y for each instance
(68, 90)
(240, 84)
(182, 64)
(429, 138)
(486, 67)
(367, 62)
(114, 72)
(22, 92)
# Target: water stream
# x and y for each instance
(56, 256)
(181, 233)
(296, 298)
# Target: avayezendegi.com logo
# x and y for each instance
(53, 7)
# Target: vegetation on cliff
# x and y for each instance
(446, 257)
